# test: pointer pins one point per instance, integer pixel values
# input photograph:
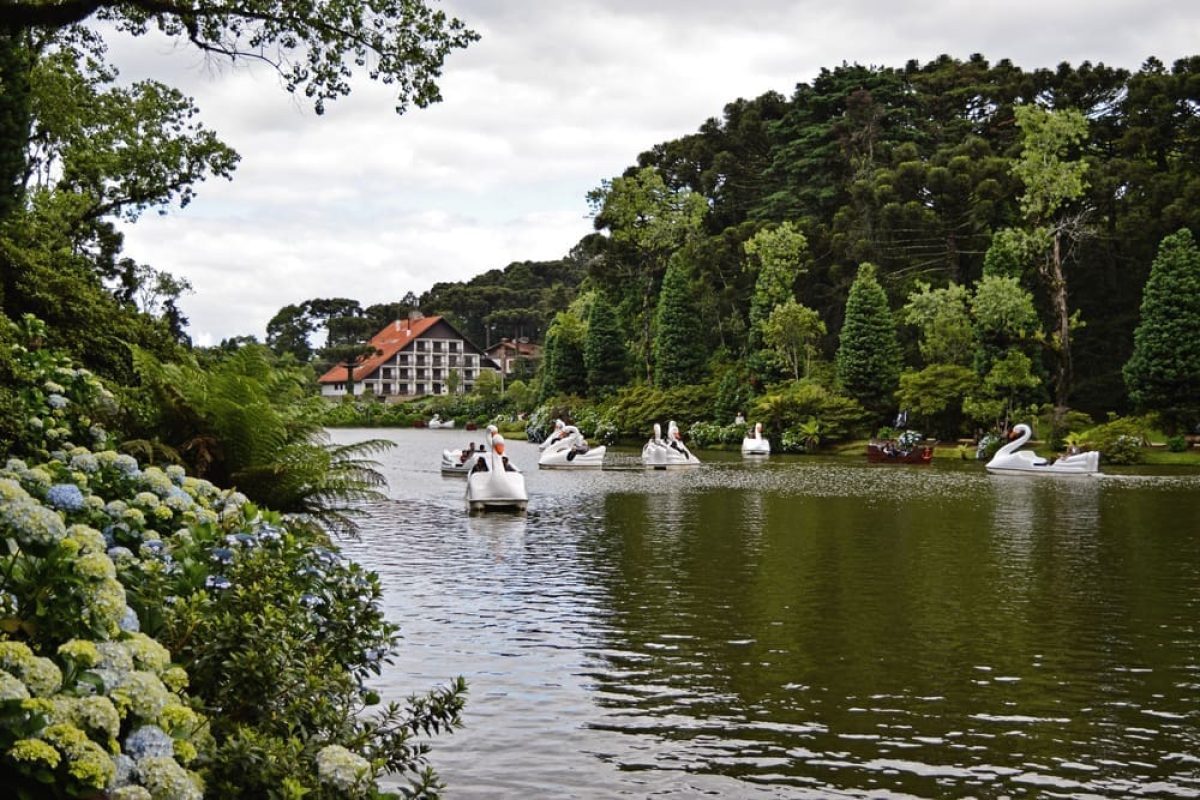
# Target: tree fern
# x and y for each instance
(248, 423)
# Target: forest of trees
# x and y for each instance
(1010, 217)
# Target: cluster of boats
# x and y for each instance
(494, 482)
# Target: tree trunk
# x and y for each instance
(1062, 323)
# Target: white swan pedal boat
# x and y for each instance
(436, 421)
(568, 454)
(755, 444)
(493, 482)
(1012, 460)
(565, 448)
(669, 453)
(460, 462)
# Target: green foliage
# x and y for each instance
(1050, 178)
(634, 410)
(795, 332)
(1177, 444)
(947, 335)
(249, 423)
(679, 355)
(868, 356)
(314, 46)
(732, 395)
(1163, 373)
(131, 598)
(604, 353)
(797, 403)
(51, 403)
(1120, 440)
(562, 368)
(934, 397)
(780, 254)
(1008, 386)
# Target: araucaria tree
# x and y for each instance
(603, 350)
(678, 345)
(868, 356)
(1163, 374)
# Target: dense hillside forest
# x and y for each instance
(963, 183)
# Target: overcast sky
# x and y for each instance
(557, 96)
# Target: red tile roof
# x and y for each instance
(389, 341)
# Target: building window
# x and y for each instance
(437, 361)
(437, 347)
(389, 388)
(420, 388)
(403, 358)
(437, 374)
(454, 347)
(468, 374)
(404, 374)
(422, 373)
(339, 387)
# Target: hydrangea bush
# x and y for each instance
(161, 637)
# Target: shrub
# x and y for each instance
(133, 597)
(1120, 440)
(1177, 444)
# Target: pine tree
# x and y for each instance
(868, 356)
(678, 344)
(1163, 374)
(603, 350)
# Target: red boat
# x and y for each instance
(890, 452)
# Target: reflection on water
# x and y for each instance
(800, 628)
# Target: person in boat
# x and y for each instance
(555, 435)
(674, 439)
(466, 453)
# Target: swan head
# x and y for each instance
(657, 431)
(1019, 430)
(493, 430)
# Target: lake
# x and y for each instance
(797, 627)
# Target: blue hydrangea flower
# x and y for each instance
(217, 582)
(222, 555)
(311, 601)
(65, 497)
(129, 621)
(326, 556)
(153, 547)
(149, 741)
(57, 401)
(241, 540)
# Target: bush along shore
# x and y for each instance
(162, 637)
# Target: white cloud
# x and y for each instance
(557, 96)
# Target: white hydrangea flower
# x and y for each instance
(95, 566)
(11, 687)
(143, 695)
(156, 481)
(166, 780)
(98, 714)
(90, 540)
(147, 500)
(106, 604)
(343, 770)
(147, 654)
(115, 656)
(40, 675)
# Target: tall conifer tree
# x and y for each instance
(603, 350)
(868, 356)
(1163, 374)
(678, 344)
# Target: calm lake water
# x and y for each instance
(798, 628)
